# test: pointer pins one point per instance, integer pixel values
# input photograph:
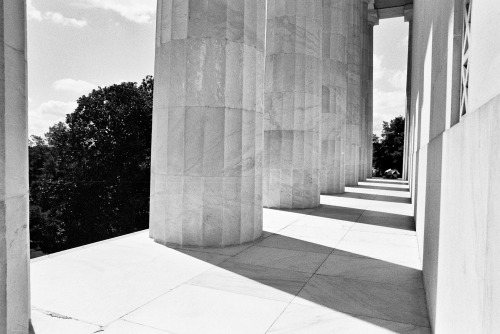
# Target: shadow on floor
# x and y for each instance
(373, 197)
(386, 181)
(385, 294)
(377, 187)
(366, 289)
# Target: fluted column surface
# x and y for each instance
(370, 101)
(206, 186)
(334, 93)
(293, 104)
(354, 106)
(364, 117)
(14, 189)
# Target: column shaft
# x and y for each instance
(354, 107)
(206, 169)
(364, 118)
(369, 139)
(14, 240)
(406, 155)
(293, 104)
(334, 106)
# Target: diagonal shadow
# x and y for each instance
(381, 187)
(385, 181)
(384, 294)
(373, 197)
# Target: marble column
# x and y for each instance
(14, 239)
(372, 21)
(354, 89)
(333, 117)
(363, 146)
(408, 15)
(292, 141)
(206, 168)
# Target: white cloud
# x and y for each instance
(378, 70)
(58, 18)
(75, 86)
(48, 114)
(389, 93)
(54, 17)
(139, 11)
(397, 79)
(386, 106)
(32, 12)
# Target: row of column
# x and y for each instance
(257, 104)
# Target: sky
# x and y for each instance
(390, 57)
(77, 45)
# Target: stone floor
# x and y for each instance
(350, 266)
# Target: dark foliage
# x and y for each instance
(89, 177)
(388, 150)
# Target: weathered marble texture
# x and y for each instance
(292, 140)
(372, 21)
(364, 131)
(14, 241)
(354, 91)
(206, 187)
(333, 117)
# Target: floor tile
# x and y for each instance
(354, 266)
(127, 327)
(363, 298)
(285, 242)
(281, 259)
(393, 248)
(58, 324)
(102, 283)
(300, 319)
(275, 220)
(192, 309)
(251, 280)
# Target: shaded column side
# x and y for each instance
(292, 104)
(354, 107)
(372, 21)
(14, 231)
(334, 92)
(364, 134)
(206, 169)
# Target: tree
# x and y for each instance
(388, 150)
(94, 180)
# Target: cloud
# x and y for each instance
(389, 93)
(139, 11)
(54, 17)
(58, 18)
(397, 79)
(386, 106)
(75, 86)
(48, 114)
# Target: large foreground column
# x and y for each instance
(14, 240)
(293, 104)
(333, 126)
(354, 107)
(206, 186)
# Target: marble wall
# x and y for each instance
(206, 186)
(334, 106)
(456, 208)
(354, 91)
(14, 240)
(293, 97)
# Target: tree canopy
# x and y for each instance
(388, 150)
(89, 176)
